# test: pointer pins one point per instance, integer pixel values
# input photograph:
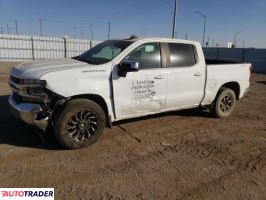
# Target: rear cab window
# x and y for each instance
(181, 55)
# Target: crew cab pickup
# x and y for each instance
(121, 79)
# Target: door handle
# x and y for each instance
(160, 76)
(197, 74)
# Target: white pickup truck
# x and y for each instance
(121, 79)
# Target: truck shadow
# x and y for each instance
(15, 132)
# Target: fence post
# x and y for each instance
(65, 47)
(32, 48)
(217, 53)
(244, 55)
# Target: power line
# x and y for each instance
(41, 24)
(134, 7)
(119, 17)
(137, 12)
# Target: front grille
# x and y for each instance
(15, 80)
(21, 91)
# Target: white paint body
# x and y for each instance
(175, 88)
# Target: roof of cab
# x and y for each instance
(135, 38)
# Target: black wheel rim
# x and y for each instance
(82, 126)
(226, 103)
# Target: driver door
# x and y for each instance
(141, 92)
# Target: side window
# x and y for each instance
(147, 55)
(181, 55)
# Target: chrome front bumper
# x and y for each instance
(28, 112)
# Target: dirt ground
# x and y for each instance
(177, 155)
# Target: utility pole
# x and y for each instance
(16, 26)
(208, 42)
(109, 30)
(186, 36)
(7, 28)
(91, 32)
(174, 21)
(204, 25)
(41, 23)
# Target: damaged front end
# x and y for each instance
(32, 102)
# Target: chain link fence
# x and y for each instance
(24, 48)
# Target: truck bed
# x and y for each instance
(219, 72)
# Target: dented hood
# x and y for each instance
(36, 69)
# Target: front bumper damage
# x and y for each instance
(30, 113)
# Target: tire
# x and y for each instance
(224, 103)
(79, 123)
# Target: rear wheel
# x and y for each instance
(79, 123)
(224, 103)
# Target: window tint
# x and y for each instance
(104, 52)
(108, 53)
(147, 55)
(181, 55)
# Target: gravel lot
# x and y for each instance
(177, 155)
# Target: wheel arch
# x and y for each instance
(93, 97)
(97, 99)
(233, 86)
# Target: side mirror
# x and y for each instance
(127, 66)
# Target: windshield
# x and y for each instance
(104, 52)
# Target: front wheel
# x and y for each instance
(79, 123)
(224, 103)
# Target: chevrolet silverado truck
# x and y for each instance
(120, 79)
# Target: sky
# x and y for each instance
(140, 17)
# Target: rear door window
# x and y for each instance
(181, 55)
